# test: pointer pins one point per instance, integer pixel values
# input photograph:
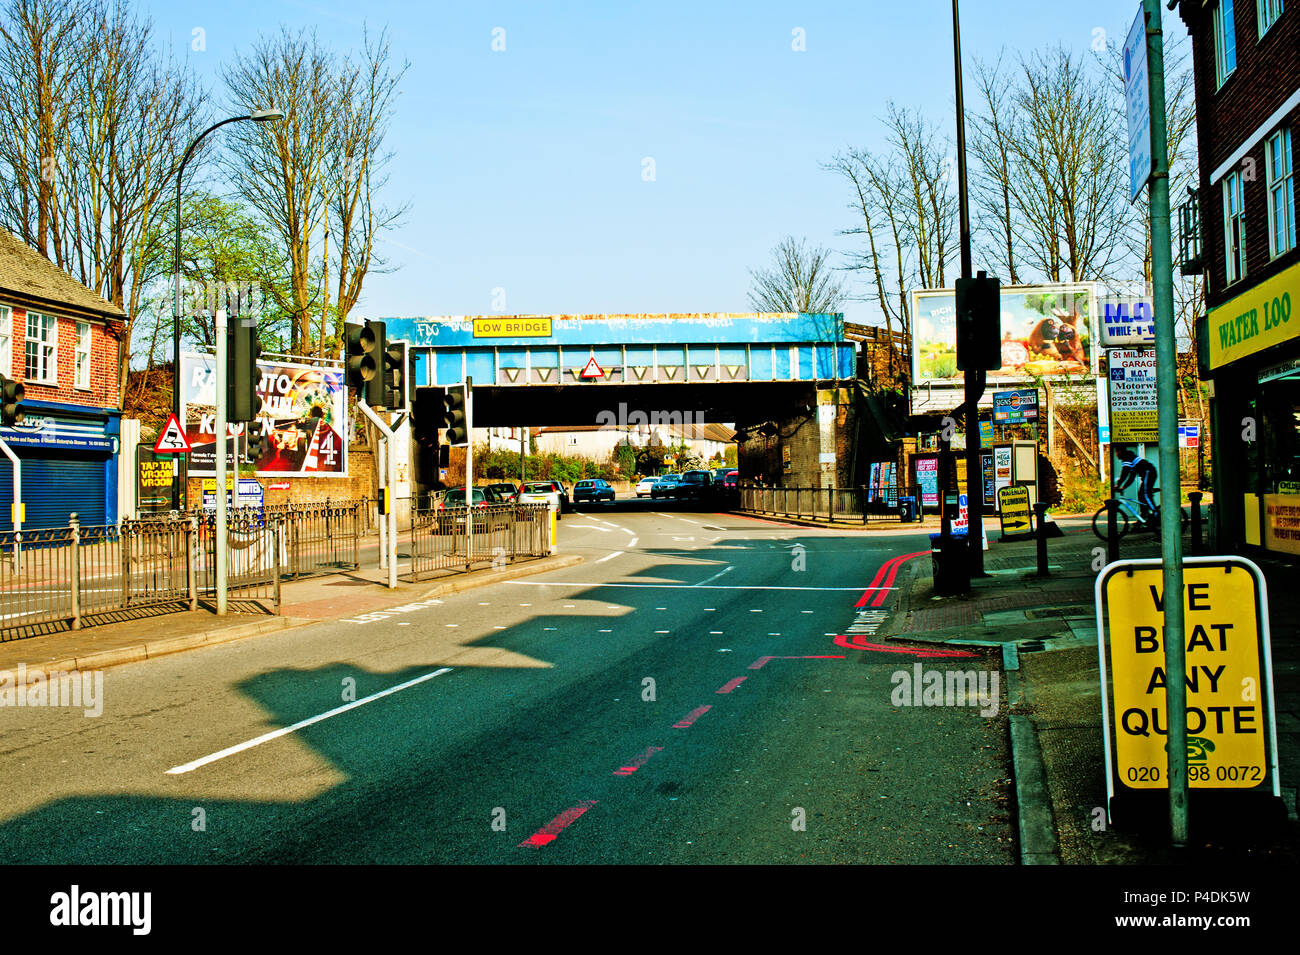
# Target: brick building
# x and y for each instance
(1246, 56)
(62, 341)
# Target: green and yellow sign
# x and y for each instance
(1256, 319)
(512, 328)
(1013, 509)
(1229, 688)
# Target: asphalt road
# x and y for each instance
(679, 697)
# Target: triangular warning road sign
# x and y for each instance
(592, 370)
(172, 440)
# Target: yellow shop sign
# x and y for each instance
(1255, 319)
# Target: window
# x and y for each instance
(42, 363)
(83, 354)
(6, 340)
(1234, 228)
(1281, 193)
(1225, 41)
(1267, 12)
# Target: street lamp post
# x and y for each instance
(257, 116)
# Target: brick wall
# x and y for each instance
(1267, 73)
(103, 390)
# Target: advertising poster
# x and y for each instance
(304, 415)
(1001, 468)
(1015, 407)
(1046, 331)
(1133, 396)
(927, 477)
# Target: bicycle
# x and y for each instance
(1127, 507)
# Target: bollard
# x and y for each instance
(74, 568)
(1195, 498)
(1040, 512)
(1112, 530)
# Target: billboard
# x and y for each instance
(1047, 331)
(304, 416)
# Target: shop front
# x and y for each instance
(68, 457)
(1254, 360)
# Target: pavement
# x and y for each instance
(1047, 630)
(150, 633)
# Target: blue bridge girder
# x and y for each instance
(659, 349)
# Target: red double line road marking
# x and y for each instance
(691, 717)
(732, 684)
(884, 580)
(548, 832)
(637, 763)
(762, 661)
(858, 643)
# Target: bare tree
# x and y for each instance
(91, 192)
(316, 175)
(800, 280)
(40, 44)
(359, 161)
(280, 169)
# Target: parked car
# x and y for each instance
(507, 491)
(720, 474)
(593, 490)
(694, 486)
(541, 492)
(455, 497)
(559, 489)
(665, 486)
(644, 486)
(731, 488)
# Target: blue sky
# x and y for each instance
(523, 168)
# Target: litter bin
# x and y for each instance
(907, 509)
(949, 564)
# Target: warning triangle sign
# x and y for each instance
(172, 440)
(592, 370)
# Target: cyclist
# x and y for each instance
(1144, 473)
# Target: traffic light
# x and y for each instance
(395, 379)
(979, 323)
(243, 403)
(254, 441)
(11, 401)
(427, 414)
(362, 367)
(455, 416)
(376, 384)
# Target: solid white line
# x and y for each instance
(600, 583)
(616, 553)
(285, 731)
(632, 542)
(592, 527)
(726, 570)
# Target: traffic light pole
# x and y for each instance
(974, 377)
(222, 531)
(389, 525)
(18, 504)
(469, 473)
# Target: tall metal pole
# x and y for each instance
(469, 473)
(257, 116)
(1171, 531)
(391, 518)
(974, 378)
(221, 514)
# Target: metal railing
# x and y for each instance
(254, 556)
(502, 534)
(68, 576)
(320, 538)
(835, 504)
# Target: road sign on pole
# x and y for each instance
(592, 370)
(1137, 101)
(172, 440)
